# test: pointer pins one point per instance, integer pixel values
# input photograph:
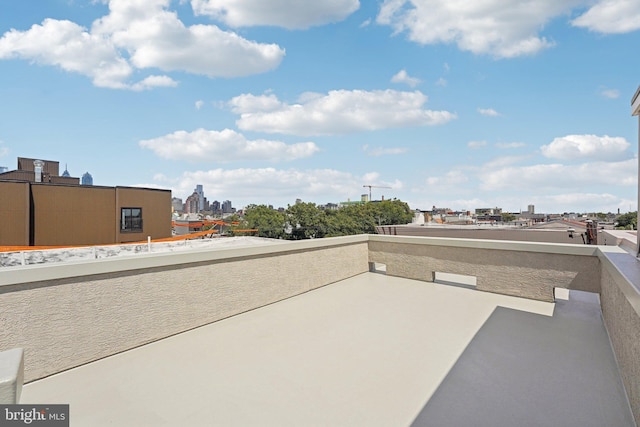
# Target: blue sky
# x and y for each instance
(454, 104)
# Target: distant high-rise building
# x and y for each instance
(226, 206)
(66, 171)
(531, 209)
(200, 192)
(176, 204)
(3, 169)
(192, 204)
(87, 179)
(215, 206)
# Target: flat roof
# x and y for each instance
(372, 350)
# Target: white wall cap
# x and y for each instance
(624, 268)
(505, 245)
(11, 375)
(41, 272)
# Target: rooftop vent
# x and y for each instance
(37, 167)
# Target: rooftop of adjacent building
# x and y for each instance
(47, 171)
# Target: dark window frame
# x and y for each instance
(131, 220)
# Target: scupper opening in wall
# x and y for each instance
(455, 279)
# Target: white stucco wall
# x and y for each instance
(67, 315)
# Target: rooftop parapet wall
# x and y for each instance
(529, 270)
(620, 301)
(65, 315)
(486, 233)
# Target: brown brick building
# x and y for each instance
(40, 208)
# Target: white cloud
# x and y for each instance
(488, 112)
(611, 17)
(70, 47)
(251, 104)
(139, 34)
(557, 176)
(450, 179)
(503, 29)
(441, 82)
(275, 186)
(443, 202)
(603, 148)
(610, 93)
(380, 151)
(507, 145)
(155, 37)
(402, 77)
(291, 14)
(578, 202)
(581, 202)
(502, 161)
(338, 112)
(476, 144)
(199, 104)
(506, 28)
(555, 203)
(225, 146)
(154, 81)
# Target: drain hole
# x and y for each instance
(455, 279)
(377, 267)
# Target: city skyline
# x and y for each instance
(264, 102)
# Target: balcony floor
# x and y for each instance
(367, 351)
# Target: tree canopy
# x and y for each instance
(308, 221)
(508, 217)
(628, 221)
(269, 222)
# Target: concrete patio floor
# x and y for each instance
(371, 350)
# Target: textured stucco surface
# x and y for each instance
(64, 323)
(623, 325)
(518, 273)
(488, 232)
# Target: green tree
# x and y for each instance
(363, 219)
(343, 222)
(628, 221)
(307, 221)
(388, 212)
(507, 217)
(269, 222)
